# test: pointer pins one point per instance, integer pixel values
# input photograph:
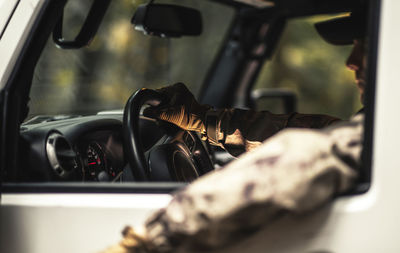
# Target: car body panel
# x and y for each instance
(8, 8)
(15, 35)
(71, 222)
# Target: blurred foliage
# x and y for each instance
(120, 60)
(313, 69)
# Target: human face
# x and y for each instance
(357, 62)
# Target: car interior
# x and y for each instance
(74, 102)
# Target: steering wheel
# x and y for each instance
(180, 157)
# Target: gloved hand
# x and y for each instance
(181, 108)
(134, 241)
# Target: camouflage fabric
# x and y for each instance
(295, 171)
(243, 130)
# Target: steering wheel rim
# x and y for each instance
(133, 142)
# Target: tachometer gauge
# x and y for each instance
(96, 166)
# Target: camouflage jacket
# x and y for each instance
(294, 171)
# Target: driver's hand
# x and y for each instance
(134, 241)
(180, 108)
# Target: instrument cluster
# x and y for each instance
(101, 156)
(97, 156)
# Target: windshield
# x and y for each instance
(121, 60)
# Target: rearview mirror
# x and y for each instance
(167, 20)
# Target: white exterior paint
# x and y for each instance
(87, 200)
(66, 223)
(7, 7)
(15, 35)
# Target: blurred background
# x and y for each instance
(121, 60)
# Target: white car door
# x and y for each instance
(71, 222)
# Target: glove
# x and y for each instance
(181, 109)
(134, 241)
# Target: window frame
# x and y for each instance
(21, 79)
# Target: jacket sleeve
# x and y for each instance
(293, 172)
(238, 130)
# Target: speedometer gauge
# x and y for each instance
(96, 163)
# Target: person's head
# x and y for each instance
(345, 31)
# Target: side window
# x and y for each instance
(313, 70)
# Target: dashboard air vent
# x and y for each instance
(62, 157)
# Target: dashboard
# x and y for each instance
(91, 149)
(84, 148)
